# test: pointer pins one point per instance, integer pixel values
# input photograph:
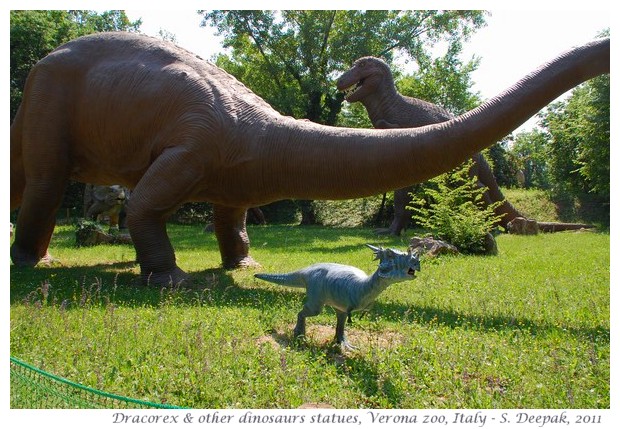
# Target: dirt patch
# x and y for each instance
(274, 339)
(323, 336)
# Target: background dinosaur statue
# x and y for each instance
(345, 288)
(370, 82)
(127, 109)
(102, 201)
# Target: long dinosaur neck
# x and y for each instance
(319, 162)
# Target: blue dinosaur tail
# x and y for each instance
(293, 279)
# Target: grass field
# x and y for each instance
(528, 328)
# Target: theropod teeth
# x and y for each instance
(351, 89)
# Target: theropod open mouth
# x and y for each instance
(352, 89)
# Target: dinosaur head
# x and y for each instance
(363, 78)
(396, 265)
(111, 195)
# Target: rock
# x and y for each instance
(90, 233)
(490, 245)
(431, 246)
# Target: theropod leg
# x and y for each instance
(341, 320)
(307, 311)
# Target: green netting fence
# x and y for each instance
(34, 388)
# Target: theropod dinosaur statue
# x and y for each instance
(370, 82)
(345, 288)
(131, 110)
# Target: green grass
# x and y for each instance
(533, 203)
(528, 328)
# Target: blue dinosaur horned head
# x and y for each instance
(396, 265)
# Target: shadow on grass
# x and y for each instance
(356, 366)
(453, 319)
(120, 283)
(98, 285)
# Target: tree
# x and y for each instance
(578, 134)
(580, 147)
(444, 81)
(530, 149)
(504, 163)
(35, 33)
(594, 155)
(290, 58)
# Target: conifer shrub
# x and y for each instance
(452, 208)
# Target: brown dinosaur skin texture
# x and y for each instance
(374, 87)
(127, 109)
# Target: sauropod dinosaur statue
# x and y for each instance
(345, 288)
(131, 110)
(370, 82)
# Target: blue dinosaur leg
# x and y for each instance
(307, 311)
(340, 323)
(341, 320)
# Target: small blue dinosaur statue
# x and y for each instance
(345, 288)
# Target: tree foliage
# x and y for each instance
(35, 33)
(530, 150)
(504, 163)
(444, 81)
(570, 154)
(290, 58)
(578, 129)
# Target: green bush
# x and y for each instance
(453, 209)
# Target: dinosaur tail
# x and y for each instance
(560, 226)
(294, 279)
